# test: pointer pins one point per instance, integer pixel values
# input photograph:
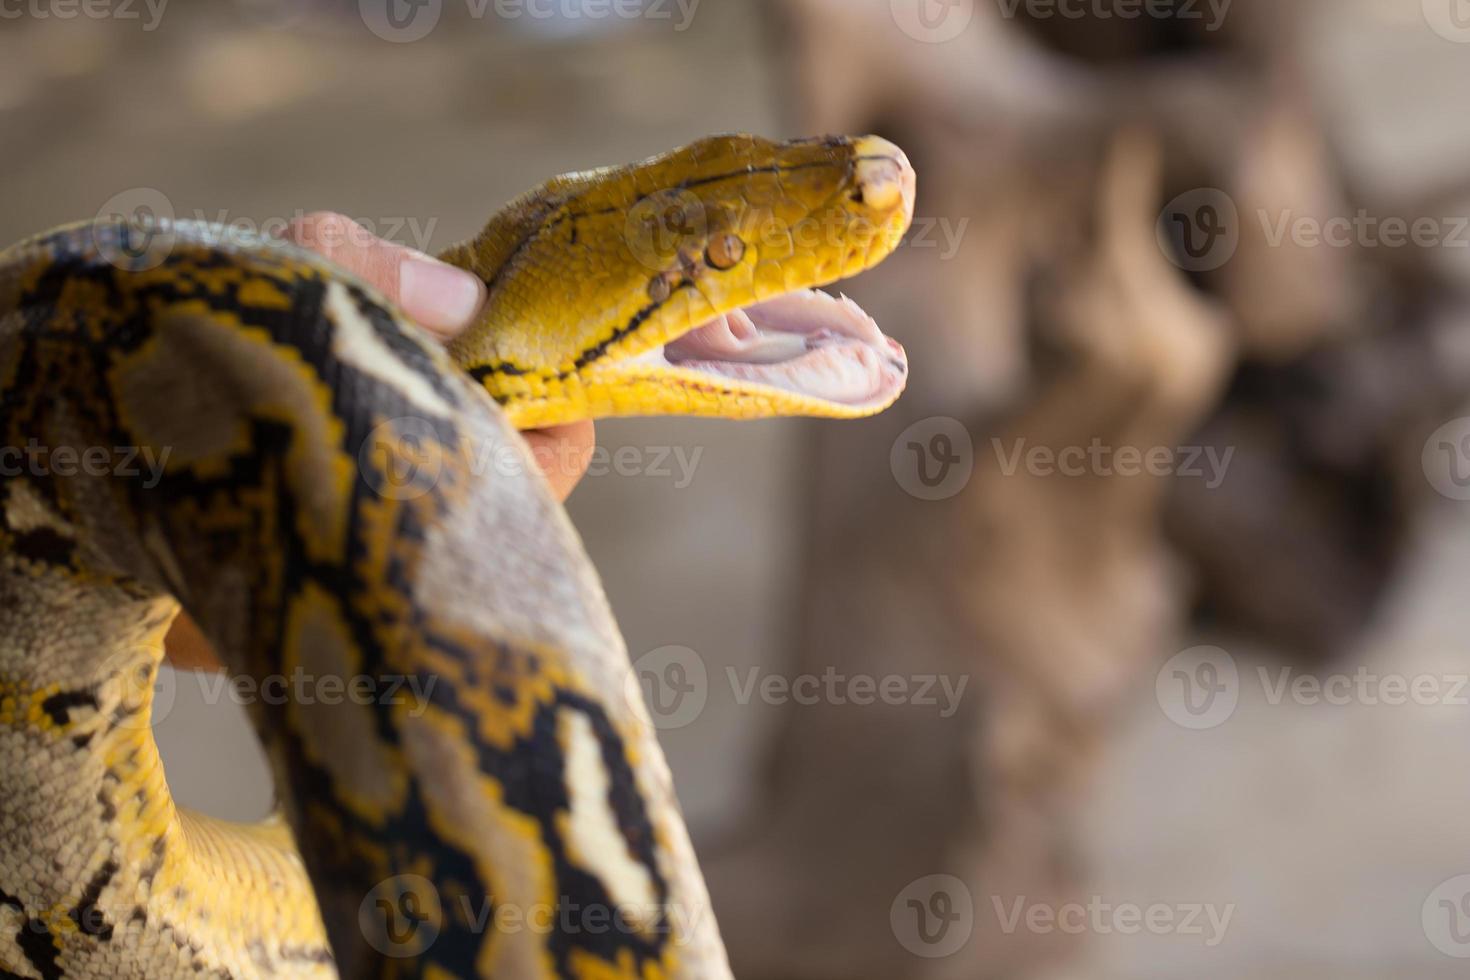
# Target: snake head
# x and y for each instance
(687, 284)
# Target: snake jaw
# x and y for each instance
(808, 344)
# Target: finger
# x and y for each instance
(563, 452)
(438, 296)
(187, 649)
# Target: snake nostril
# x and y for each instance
(661, 287)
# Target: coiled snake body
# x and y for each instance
(506, 812)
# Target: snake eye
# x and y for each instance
(725, 252)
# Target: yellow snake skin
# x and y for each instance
(491, 801)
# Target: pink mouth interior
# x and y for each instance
(806, 342)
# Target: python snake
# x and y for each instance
(495, 803)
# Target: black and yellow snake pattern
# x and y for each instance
(494, 803)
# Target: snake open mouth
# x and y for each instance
(807, 342)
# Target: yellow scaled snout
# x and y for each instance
(884, 176)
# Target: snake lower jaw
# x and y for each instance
(805, 352)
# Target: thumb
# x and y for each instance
(440, 297)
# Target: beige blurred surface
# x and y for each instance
(1327, 826)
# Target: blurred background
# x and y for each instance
(1132, 643)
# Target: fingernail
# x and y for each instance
(439, 296)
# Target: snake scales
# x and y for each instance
(507, 813)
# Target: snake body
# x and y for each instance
(489, 800)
